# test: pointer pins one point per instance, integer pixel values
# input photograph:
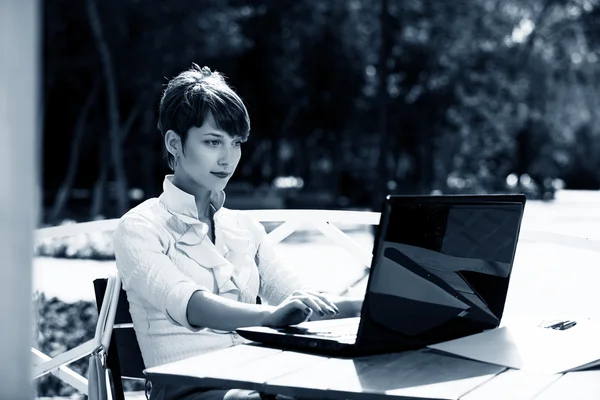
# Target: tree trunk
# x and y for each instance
(98, 192)
(384, 52)
(425, 153)
(116, 153)
(78, 134)
(149, 161)
(133, 115)
(524, 139)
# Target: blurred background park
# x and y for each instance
(349, 100)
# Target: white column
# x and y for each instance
(20, 120)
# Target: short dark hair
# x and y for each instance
(191, 95)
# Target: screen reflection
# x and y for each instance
(443, 267)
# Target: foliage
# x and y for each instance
(94, 246)
(62, 326)
(470, 89)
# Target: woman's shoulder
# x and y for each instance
(147, 213)
(241, 219)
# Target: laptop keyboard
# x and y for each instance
(346, 339)
(335, 335)
(345, 333)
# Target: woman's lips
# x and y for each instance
(221, 175)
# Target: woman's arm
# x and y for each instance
(143, 266)
(277, 280)
(213, 311)
(349, 306)
(216, 312)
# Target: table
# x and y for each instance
(419, 374)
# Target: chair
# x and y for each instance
(124, 358)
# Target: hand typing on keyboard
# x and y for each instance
(299, 307)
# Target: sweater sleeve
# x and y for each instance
(277, 280)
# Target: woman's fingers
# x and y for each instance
(300, 305)
(297, 312)
(313, 304)
(296, 316)
(316, 303)
(291, 312)
(325, 299)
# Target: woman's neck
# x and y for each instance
(201, 196)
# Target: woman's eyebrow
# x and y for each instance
(219, 135)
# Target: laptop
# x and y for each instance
(440, 270)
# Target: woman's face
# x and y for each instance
(210, 157)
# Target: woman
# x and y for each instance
(193, 269)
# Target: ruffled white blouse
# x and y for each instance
(164, 255)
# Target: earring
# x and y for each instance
(175, 161)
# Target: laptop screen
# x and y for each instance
(442, 266)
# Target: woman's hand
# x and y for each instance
(299, 307)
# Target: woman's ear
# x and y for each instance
(173, 143)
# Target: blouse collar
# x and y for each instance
(184, 204)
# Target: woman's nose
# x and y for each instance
(225, 156)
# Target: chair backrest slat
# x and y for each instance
(124, 357)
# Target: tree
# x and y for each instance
(78, 135)
(475, 90)
(112, 98)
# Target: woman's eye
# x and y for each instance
(237, 144)
(213, 142)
